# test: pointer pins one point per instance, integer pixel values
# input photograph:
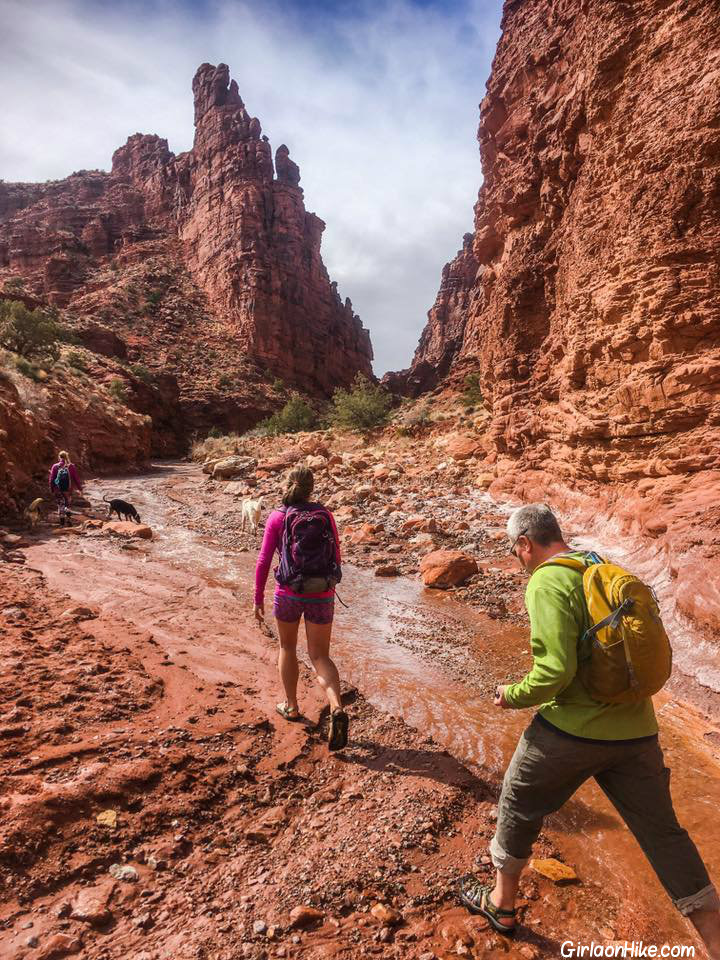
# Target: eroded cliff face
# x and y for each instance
(592, 315)
(207, 264)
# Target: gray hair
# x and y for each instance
(535, 521)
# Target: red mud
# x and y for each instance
(159, 706)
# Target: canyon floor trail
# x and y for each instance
(157, 702)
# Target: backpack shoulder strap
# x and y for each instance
(572, 563)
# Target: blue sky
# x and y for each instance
(378, 103)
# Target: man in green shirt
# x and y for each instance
(572, 738)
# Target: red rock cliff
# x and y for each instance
(590, 304)
(206, 263)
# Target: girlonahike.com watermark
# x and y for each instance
(627, 948)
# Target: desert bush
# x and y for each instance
(141, 372)
(472, 393)
(295, 416)
(29, 369)
(30, 333)
(76, 360)
(365, 406)
(116, 389)
(14, 285)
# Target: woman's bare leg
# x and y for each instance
(287, 660)
(318, 644)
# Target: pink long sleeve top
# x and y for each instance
(271, 542)
(74, 476)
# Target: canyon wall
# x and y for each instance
(588, 302)
(206, 265)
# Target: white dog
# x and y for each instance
(251, 513)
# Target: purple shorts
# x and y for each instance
(290, 609)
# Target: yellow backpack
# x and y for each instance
(631, 656)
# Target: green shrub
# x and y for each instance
(116, 389)
(14, 284)
(365, 406)
(215, 433)
(295, 416)
(76, 360)
(472, 394)
(278, 385)
(225, 380)
(28, 369)
(31, 333)
(141, 372)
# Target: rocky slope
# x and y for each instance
(588, 302)
(207, 263)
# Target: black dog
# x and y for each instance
(122, 509)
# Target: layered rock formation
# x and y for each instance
(37, 420)
(206, 263)
(588, 305)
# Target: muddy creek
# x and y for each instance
(413, 653)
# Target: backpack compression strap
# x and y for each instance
(615, 616)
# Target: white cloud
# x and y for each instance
(377, 103)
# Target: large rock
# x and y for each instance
(446, 568)
(462, 448)
(232, 467)
(57, 946)
(127, 530)
(91, 905)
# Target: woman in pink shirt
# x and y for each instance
(62, 481)
(306, 538)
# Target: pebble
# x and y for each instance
(259, 927)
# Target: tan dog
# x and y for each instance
(33, 511)
(251, 513)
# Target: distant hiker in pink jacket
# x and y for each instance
(63, 479)
(306, 538)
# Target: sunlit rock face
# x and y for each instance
(588, 299)
(218, 238)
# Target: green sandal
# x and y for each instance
(476, 897)
(289, 713)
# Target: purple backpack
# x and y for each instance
(307, 548)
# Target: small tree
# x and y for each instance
(472, 393)
(31, 333)
(295, 416)
(365, 406)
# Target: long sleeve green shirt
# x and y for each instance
(558, 619)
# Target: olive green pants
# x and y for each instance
(546, 770)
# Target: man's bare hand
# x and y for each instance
(500, 700)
